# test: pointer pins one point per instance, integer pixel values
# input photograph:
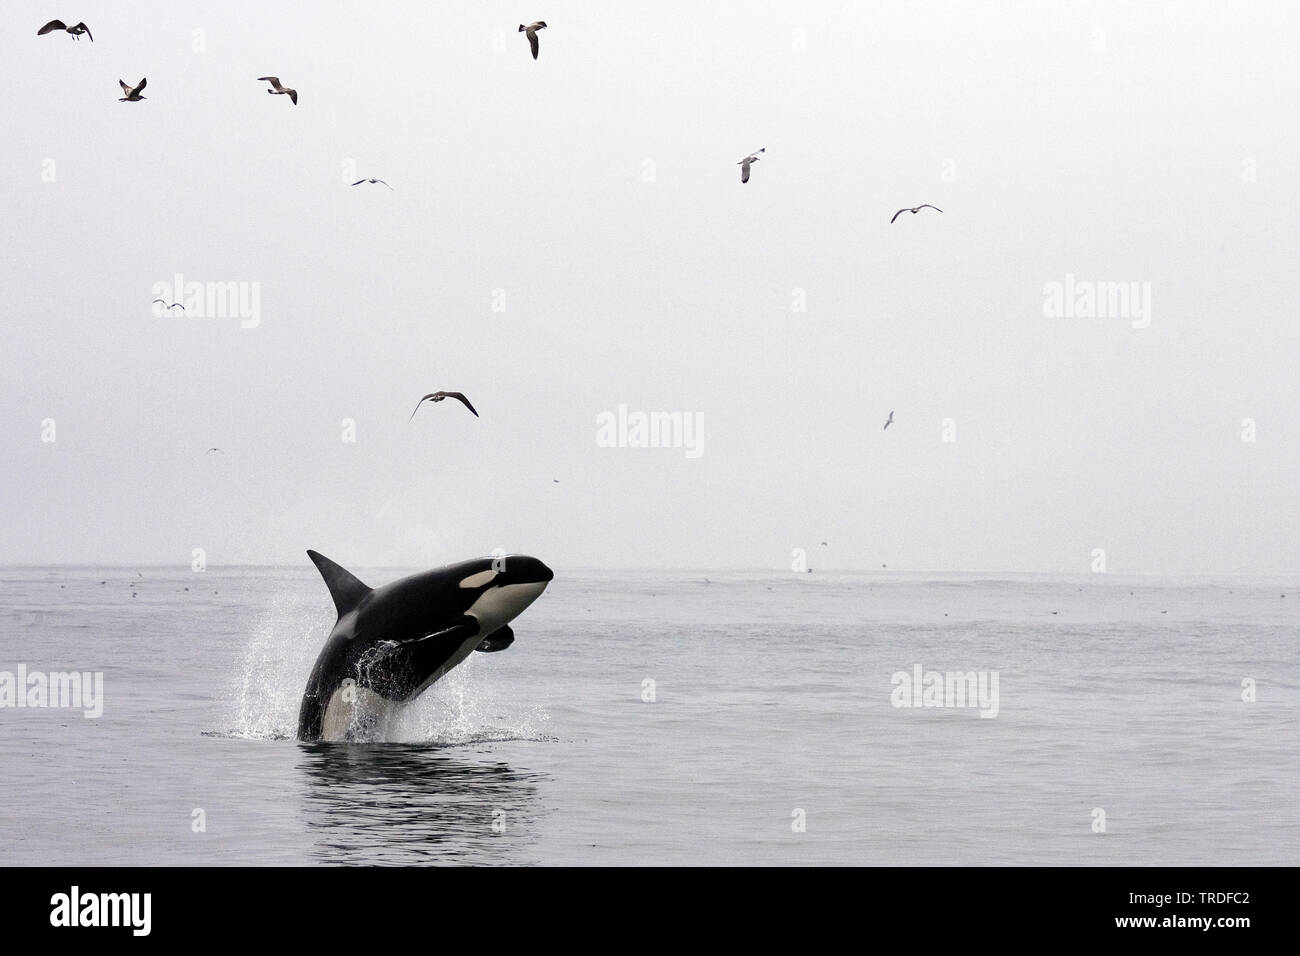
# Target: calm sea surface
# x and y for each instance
(771, 705)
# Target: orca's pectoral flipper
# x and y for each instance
(498, 640)
(346, 590)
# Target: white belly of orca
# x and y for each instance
(357, 713)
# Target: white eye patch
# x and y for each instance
(479, 579)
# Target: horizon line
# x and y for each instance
(678, 569)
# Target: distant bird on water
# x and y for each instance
(76, 31)
(915, 209)
(439, 396)
(531, 31)
(132, 94)
(745, 163)
(279, 90)
(360, 181)
(174, 305)
(890, 422)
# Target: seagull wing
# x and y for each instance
(381, 181)
(143, 81)
(926, 205)
(419, 403)
(532, 39)
(293, 96)
(273, 80)
(744, 171)
(358, 182)
(86, 29)
(462, 399)
(51, 27)
(125, 89)
(899, 213)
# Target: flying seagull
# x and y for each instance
(278, 90)
(891, 420)
(76, 31)
(132, 95)
(439, 396)
(174, 305)
(360, 181)
(531, 30)
(745, 163)
(915, 209)
(210, 450)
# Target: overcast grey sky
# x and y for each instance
(595, 195)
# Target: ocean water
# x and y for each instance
(771, 737)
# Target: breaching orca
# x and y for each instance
(392, 642)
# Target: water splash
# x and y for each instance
(273, 670)
(470, 705)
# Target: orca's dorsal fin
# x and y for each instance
(345, 587)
